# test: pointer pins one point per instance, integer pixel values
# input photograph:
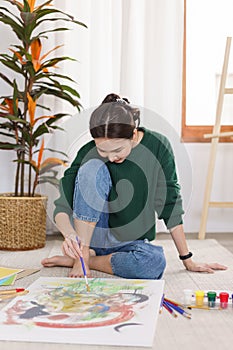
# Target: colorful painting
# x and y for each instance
(61, 310)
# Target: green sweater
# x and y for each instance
(144, 184)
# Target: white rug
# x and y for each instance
(176, 277)
(170, 333)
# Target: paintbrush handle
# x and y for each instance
(13, 295)
(11, 291)
(83, 266)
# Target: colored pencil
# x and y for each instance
(83, 268)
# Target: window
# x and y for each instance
(206, 27)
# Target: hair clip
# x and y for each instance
(121, 100)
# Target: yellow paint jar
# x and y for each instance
(199, 297)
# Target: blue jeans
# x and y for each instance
(133, 259)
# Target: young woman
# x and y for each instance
(111, 194)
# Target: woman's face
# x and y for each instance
(116, 150)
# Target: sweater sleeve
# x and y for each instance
(64, 203)
(168, 201)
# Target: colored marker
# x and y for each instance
(224, 296)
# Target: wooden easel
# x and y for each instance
(214, 143)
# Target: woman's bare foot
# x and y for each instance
(58, 260)
(77, 270)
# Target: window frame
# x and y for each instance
(195, 133)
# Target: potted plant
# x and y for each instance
(24, 119)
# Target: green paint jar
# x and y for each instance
(211, 299)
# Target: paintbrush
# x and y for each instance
(178, 309)
(83, 267)
(169, 309)
(13, 295)
(10, 291)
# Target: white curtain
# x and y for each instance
(131, 47)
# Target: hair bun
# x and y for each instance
(124, 101)
(115, 98)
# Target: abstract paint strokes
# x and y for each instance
(63, 303)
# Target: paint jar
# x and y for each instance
(187, 296)
(199, 297)
(211, 298)
(224, 296)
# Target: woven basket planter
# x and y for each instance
(22, 222)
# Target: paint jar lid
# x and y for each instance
(211, 296)
(224, 297)
(199, 293)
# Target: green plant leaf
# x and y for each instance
(7, 134)
(12, 65)
(6, 79)
(48, 31)
(52, 62)
(18, 126)
(10, 146)
(14, 3)
(17, 29)
(53, 151)
(66, 17)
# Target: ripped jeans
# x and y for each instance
(134, 259)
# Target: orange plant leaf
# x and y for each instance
(19, 3)
(44, 117)
(9, 106)
(17, 54)
(36, 49)
(31, 109)
(47, 53)
(31, 4)
(52, 161)
(33, 163)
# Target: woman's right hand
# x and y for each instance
(71, 247)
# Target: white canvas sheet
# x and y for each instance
(60, 310)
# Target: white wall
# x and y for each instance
(94, 73)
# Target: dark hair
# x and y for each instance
(114, 118)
